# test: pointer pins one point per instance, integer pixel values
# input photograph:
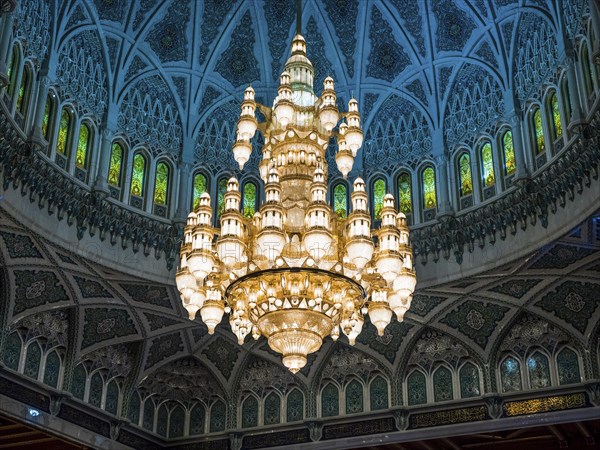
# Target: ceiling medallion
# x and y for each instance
(296, 273)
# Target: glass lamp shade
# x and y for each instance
(246, 127)
(398, 305)
(269, 244)
(344, 161)
(195, 302)
(380, 315)
(186, 282)
(404, 285)
(318, 243)
(212, 312)
(329, 116)
(200, 263)
(192, 310)
(354, 139)
(241, 152)
(356, 329)
(389, 266)
(284, 111)
(360, 251)
(231, 251)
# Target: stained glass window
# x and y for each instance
(116, 165)
(330, 401)
(217, 416)
(13, 65)
(539, 371)
(587, 70)
(12, 351)
(162, 419)
(249, 199)
(272, 413)
(540, 142)
(83, 145)
(23, 91)
(52, 370)
(197, 417)
(200, 187)
(176, 422)
(78, 382)
(161, 184)
(354, 397)
(138, 175)
(378, 194)
(148, 420)
(442, 385)
(340, 200)
(510, 374)
(48, 108)
(465, 177)
(378, 394)
(469, 381)
(405, 193)
(111, 404)
(487, 165)
(133, 411)
(568, 367)
(221, 189)
(295, 406)
(556, 120)
(250, 412)
(510, 164)
(429, 193)
(96, 386)
(416, 388)
(63, 132)
(32, 360)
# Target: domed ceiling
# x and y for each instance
(415, 66)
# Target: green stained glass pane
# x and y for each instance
(510, 164)
(465, 177)
(272, 412)
(378, 194)
(21, 102)
(340, 201)
(161, 184)
(295, 406)
(133, 411)
(217, 416)
(487, 165)
(378, 394)
(354, 397)
(32, 360)
(200, 187)
(539, 371)
(442, 385)
(556, 116)
(540, 142)
(510, 374)
(588, 73)
(63, 132)
(330, 401)
(162, 420)
(250, 412)
(83, 144)
(416, 388)
(12, 70)
(405, 193)
(52, 370)
(111, 404)
(46, 120)
(469, 381)
(429, 194)
(116, 165)
(96, 386)
(148, 420)
(78, 382)
(568, 367)
(138, 175)
(221, 189)
(177, 422)
(197, 417)
(249, 200)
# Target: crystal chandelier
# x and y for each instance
(296, 273)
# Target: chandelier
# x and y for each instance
(296, 272)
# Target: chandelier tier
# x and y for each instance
(297, 272)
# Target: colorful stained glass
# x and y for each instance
(354, 397)
(111, 405)
(540, 142)
(510, 164)
(442, 385)
(162, 419)
(272, 410)
(23, 91)
(52, 370)
(556, 119)
(405, 193)
(96, 386)
(330, 401)
(197, 418)
(32, 360)
(138, 175)
(63, 132)
(46, 120)
(568, 367)
(378, 394)
(221, 189)
(250, 412)
(200, 187)
(116, 165)
(161, 184)
(378, 194)
(217, 417)
(83, 145)
(487, 165)
(469, 381)
(176, 422)
(340, 200)
(416, 388)
(12, 351)
(429, 192)
(539, 371)
(78, 382)
(510, 375)
(465, 177)
(295, 406)
(148, 420)
(133, 411)
(12, 71)
(249, 200)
